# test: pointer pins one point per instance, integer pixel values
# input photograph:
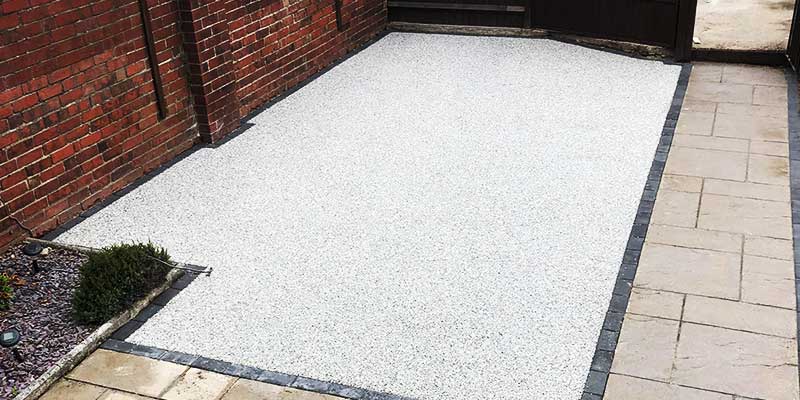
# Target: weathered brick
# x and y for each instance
(50, 91)
(12, 179)
(25, 102)
(9, 21)
(10, 6)
(63, 153)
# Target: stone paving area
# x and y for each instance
(108, 375)
(712, 312)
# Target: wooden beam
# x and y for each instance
(457, 6)
(151, 56)
(775, 58)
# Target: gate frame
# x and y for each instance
(684, 31)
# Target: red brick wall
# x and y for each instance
(259, 48)
(78, 114)
(277, 43)
(78, 118)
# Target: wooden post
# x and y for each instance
(684, 31)
(151, 56)
(528, 22)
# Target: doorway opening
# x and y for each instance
(743, 25)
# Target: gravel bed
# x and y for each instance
(41, 311)
(439, 217)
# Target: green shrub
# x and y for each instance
(6, 292)
(114, 278)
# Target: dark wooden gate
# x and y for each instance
(654, 22)
(640, 21)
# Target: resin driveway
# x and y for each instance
(435, 217)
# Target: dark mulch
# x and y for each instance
(41, 311)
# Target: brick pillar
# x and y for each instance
(212, 80)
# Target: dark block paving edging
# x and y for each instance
(794, 181)
(595, 386)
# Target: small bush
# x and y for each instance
(6, 292)
(114, 278)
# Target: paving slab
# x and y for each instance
(753, 74)
(698, 105)
(198, 384)
(694, 238)
(731, 361)
(622, 387)
(680, 183)
(747, 189)
(707, 72)
(656, 303)
(769, 96)
(646, 347)
(720, 92)
(402, 208)
(678, 209)
(73, 390)
(251, 390)
(743, 215)
(706, 163)
(768, 169)
(710, 143)
(695, 123)
(768, 247)
(741, 316)
(776, 149)
(117, 395)
(685, 270)
(130, 373)
(744, 126)
(768, 281)
(773, 111)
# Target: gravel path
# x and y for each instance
(438, 217)
(41, 311)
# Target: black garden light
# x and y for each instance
(8, 339)
(32, 249)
